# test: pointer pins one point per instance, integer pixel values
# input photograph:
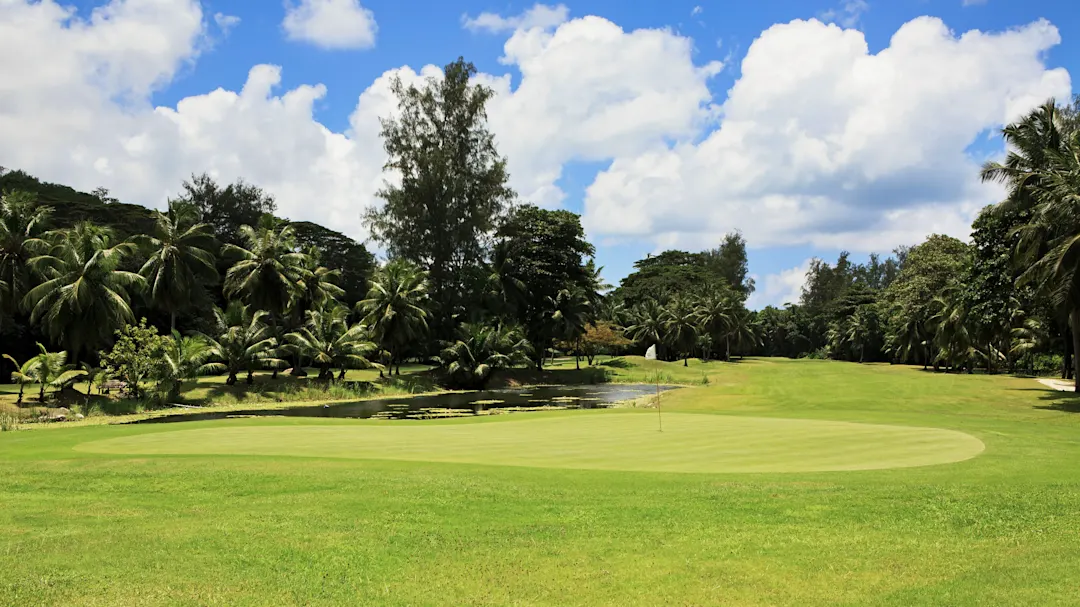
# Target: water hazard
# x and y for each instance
(460, 404)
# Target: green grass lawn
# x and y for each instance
(572, 507)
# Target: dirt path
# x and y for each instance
(1061, 385)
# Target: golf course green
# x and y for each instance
(681, 442)
(774, 482)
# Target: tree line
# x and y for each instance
(474, 281)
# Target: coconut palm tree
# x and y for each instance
(681, 326)
(85, 296)
(23, 374)
(328, 340)
(242, 342)
(395, 308)
(743, 331)
(648, 328)
(49, 369)
(480, 350)
(860, 328)
(22, 224)
(268, 272)
(573, 312)
(185, 359)
(952, 333)
(713, 312)
(506, 292)
(908, 339)
(180, 261)
(1042, 172)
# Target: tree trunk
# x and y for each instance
(686, 361)
(862, 353)
(231, 380)
(727, 349)
(250, 377)
(172, 322)
(1074, 318)
(577, 361)
(1066, 363)
(22, 386)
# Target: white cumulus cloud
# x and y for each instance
(330, 24)
(824, 143)
(541, 16)
(781, 288)
(818, 142)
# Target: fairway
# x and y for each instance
(779, 482)
(618, 441)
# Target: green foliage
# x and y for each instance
(268, 270)
(181, 260)
(242, 341)
(226, 209)
(396, 307)
(729, 263)
(329, 342)
(85, 295)
(479, 350)
(137, 357)
(542, 275)
(22, 225)
(453, 187)
(338, 253)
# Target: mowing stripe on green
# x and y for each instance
(620, 441)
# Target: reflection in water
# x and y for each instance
(461, 404)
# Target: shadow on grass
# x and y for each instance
(1058, 401)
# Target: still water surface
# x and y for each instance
(461, 404)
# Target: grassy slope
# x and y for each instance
(98, 529)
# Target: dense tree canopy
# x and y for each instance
(453, 186)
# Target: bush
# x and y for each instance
(1046, 364)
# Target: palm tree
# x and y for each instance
(268, 273)
(243, 342)
(1028, 337)
(680, 324)
(317, 289)
(181, 259)
(50, 369)
(573, 312)
(743, 331)
(1042, 172)
(860, 328)
(506, 292)
(23, 374)
(480, 350)
(909, 337)
(648, 327)
(185, 359)
(85, 296)
(952, 334)
(22, 224)
(713, 315)
(396, 307)
(329, 341)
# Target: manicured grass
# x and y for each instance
(690, 442)
(270, 528)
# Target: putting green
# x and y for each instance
(620, 441)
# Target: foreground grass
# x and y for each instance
(91, 528)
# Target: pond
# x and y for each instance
(457, 404)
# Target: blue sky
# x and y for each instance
(876, 162)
